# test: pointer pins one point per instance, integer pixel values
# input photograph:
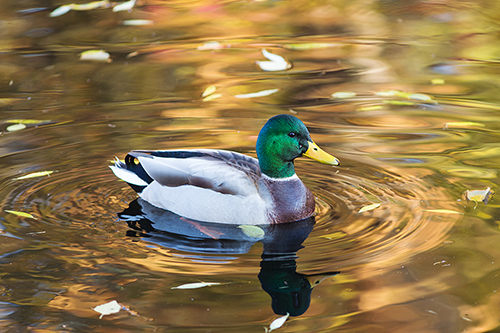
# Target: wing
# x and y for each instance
(218, 170)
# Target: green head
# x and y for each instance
(282, 139)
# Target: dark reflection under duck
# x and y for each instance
(290, 291)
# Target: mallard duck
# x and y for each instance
(228, 187)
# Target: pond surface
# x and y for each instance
(413, 119)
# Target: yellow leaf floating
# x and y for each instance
(443, 211)
(333, 235)
(35, 175)
(308, 46)
(108, 308)
(369, 207)
(252, 231)
(95, 55)
(463, 124)
(26, 121)
(21, 214)
(370, 108)
(343, 94)
(89, 6)
(437, 81)
(212, 97)
(197, 285)
(209, 91)
(16, 127)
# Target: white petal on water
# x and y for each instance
(343, 94)
(276, 63)
(196, 285)
(278, 322)
(108, 308)
(60, 11)
(124, 6)
(258, 94)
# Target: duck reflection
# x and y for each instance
(290, 291)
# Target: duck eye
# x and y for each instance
(291, 134)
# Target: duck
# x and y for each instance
(223, 186)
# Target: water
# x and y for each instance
(425, 260)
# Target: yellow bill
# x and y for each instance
(318, 154)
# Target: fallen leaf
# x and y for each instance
(334, 235)
(390, 93)
(307, 46)
(89, 6)
(124, 6)
(212, 97)
(16, 127)
(370, 108)
(343, 94)
(60, 11)
(210, 90)
(34, 175)
(258, 94)
(369, 207)
(278, 322)
(437, 81)
(276, 63)
(138, 22)
(479, 195)
(210, 46)
(95, 55)
(252, 231)
(392, 102)
(22, 214)
(197, 285)
(108, 308)
(420, 97)
(463, 124)
(26, 121)
(443, 211)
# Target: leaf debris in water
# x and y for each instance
(463, 124)
(124, 6)
(252, 231)
(437, 81)
(22, 214)
(369, 207)
(209, 91)
(479, 195)
(197, 285)
(343, 94)
(334, 235)
(95, 55)
(34, 175)
(16, 127)
(276, 63)
(26, 121)
(60, 11)
(138, 22)
(108, 308)
(444, 211)
(277, 323)
(258, 94)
